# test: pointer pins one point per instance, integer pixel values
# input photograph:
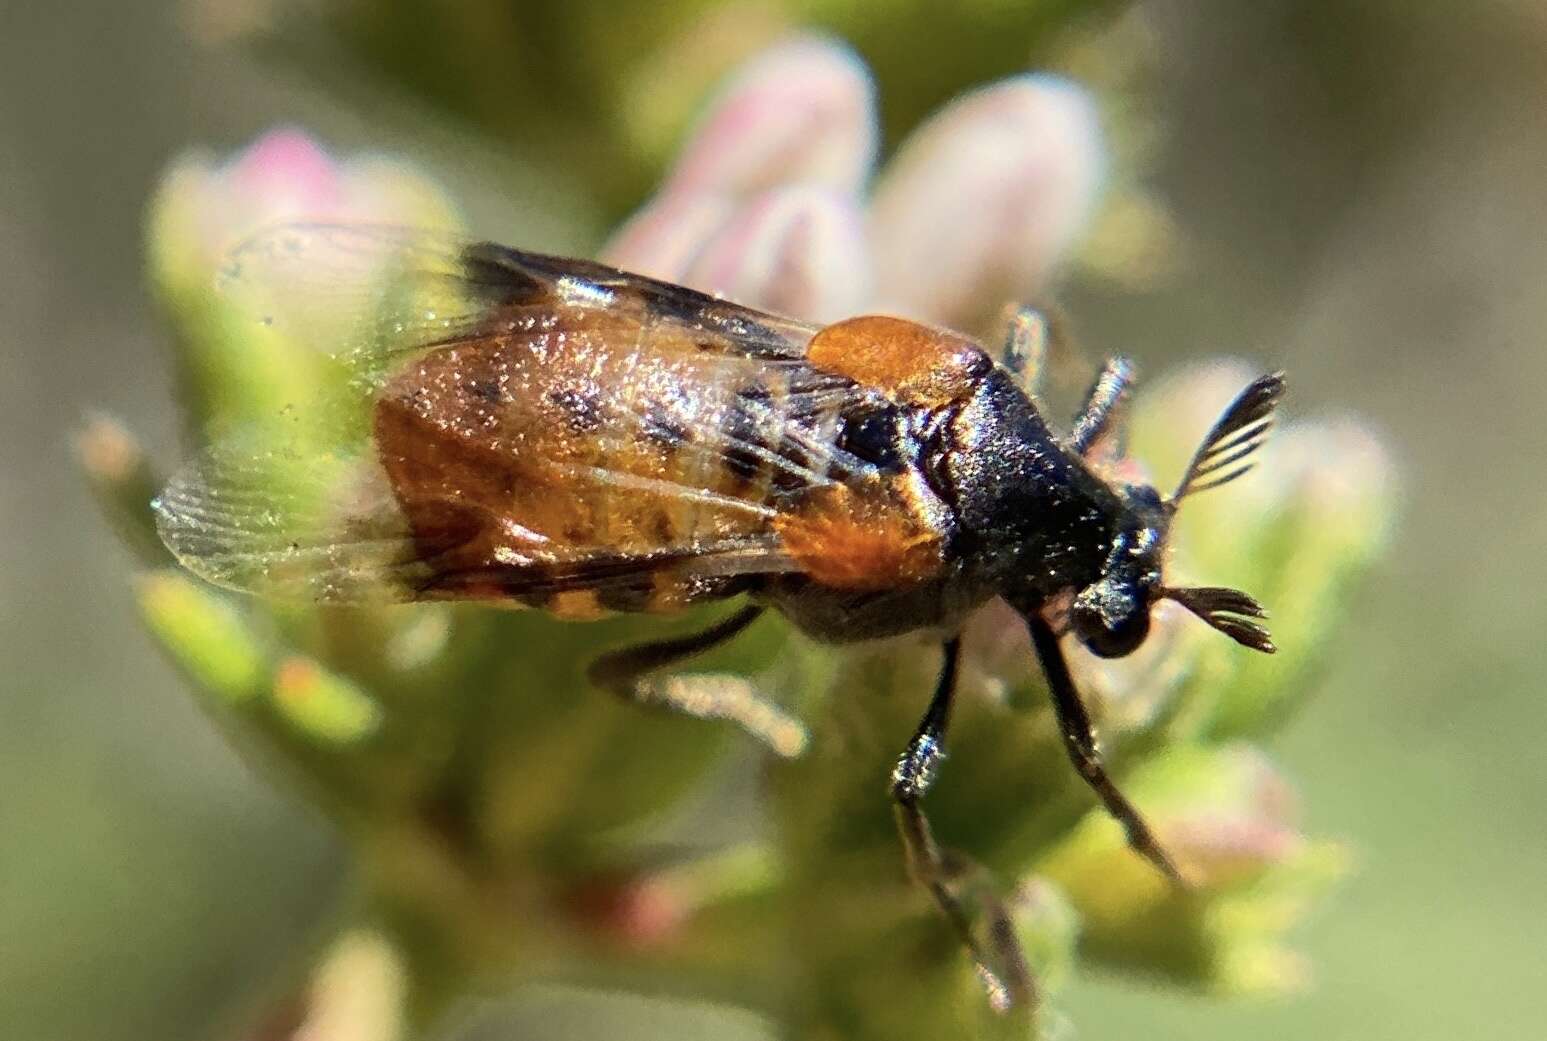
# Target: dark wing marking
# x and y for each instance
(485, 352)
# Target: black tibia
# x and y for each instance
(952, 879)
(1085, 751)
(915, 771)
(626, 673)
(1103, 404)
(1025, 348)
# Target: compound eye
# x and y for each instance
(1111, 622)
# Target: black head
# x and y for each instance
(1111, 615)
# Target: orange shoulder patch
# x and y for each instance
(911, 363)
(850, 540)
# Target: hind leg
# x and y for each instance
(627, 674)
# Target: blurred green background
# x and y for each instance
(1359, 196)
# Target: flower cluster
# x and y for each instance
(505, 818)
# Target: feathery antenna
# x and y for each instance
(1228, 610)
(1240, 431)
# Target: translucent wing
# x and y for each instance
(370, 293)
(330, 527)
(529, 426)
(292, 519)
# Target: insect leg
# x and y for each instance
(1085, 750)
(626, 673)
(1025, 348)
(945, 873)
(1099, 415)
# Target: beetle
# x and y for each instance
(557, 434)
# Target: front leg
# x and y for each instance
(945, 873)
(1085, 751)
(1098, 419)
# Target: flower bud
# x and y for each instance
(803, 112)
(123, 482)
(663, 239)
(205, 635)
(323, 705)
(991, 191)
(360, 992)
(232, 371)
(794, 251)
(1230, 821)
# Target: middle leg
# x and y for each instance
(1098, 419)
(945, 873)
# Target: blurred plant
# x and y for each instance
(506, 819)
(604, 91)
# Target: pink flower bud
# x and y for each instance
(664, 238)
(801, 113)
(205, 207)
(982, 200)
(794, 251)
(631, 910)
(1340, 470)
